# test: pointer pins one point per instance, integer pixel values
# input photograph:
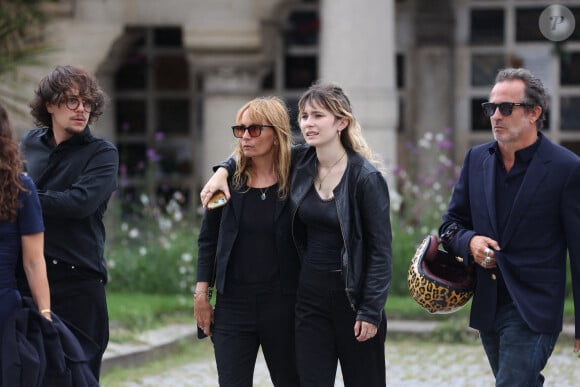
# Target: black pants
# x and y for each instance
(325, 335)
(246, 319)
(78, 297)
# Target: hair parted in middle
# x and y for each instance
(268, 111)
(332, 97)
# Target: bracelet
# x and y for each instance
(200, 293)
(208, 293)
(43, 311)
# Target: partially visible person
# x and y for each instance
(247, 246)
(21, 230)
(75, 174)
(515, 215)
(342, 230)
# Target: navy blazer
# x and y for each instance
(37, 352)
(544, 226)
(218, 233)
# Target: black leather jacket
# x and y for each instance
(362, 201)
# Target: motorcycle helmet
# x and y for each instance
(439, 282)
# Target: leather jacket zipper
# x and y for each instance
(345, 266)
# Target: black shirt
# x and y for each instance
(323, 238)
(75, 180)
(254, 260)
(507, 187)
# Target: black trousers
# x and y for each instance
(325, 335)
(246, 319)
(78, 297)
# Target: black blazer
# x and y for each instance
(219, 230)
(543, 227)
(36, 352)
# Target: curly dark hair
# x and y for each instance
(53, 88)
(10, 169)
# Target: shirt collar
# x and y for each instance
(524, 154)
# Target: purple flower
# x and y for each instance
(445, 144)
(153, 156)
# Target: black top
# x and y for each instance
(254, 260)
(323, 238)
(75, 180)
(507, 187)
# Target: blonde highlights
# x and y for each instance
(271, 111)
(332, 98)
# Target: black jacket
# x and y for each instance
(363, 206)
(37, 352)
(362, 201)
(219, 230)
(75, 181)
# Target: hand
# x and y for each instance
(203, 313)
(364, 331)
(218, 182)
(46, 314)
(483, 251)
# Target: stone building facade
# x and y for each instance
(177, 71)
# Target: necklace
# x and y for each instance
(321, 179)
(263, 193)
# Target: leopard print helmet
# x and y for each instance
(437, 281)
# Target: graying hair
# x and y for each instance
(534, 93)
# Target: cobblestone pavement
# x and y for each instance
(410, 363)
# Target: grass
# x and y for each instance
(136, 312)
(184, 353)
(131, 313)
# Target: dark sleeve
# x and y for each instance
(92, 187)
(456, 229)
(30, 213)
(374, 203)
(229, 164)
(207, 244)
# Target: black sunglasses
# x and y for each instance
(505, 108)
(255, 130)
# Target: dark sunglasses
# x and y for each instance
(255, 130)
(505, 108)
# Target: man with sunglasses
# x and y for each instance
(76, 174)
(515, 215)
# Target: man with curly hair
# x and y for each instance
(76, 174)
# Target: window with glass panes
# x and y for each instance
(507, 34)
(296, 67)
(152, 114)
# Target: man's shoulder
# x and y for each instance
(101, 144)
(34, 134)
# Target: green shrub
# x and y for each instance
(154, 250)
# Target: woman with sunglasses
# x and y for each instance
(247, 247)
(341, 227)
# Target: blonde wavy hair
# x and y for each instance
(333, 98)
(268, 111)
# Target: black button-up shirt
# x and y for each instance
(507, 187)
